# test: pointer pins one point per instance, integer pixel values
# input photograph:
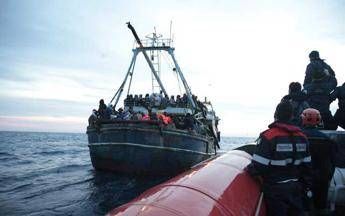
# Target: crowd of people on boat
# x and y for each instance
(159, 101)
(294, 161)
(104, 113)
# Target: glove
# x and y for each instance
(309, 193)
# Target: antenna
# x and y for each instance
(170, 30)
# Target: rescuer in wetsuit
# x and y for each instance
(320, 71)
(319, 82)
(339, 116)
(298, 100)
(318, 97)
(322, 151)
(283, 163)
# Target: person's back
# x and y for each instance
(283, 162)
(92, 118)
(320, 71)
(120, 114)
(172, 101)
(339, 116)
(188, 122)
(298, 100)
(322, 151)
(102, 109)
(319, 98)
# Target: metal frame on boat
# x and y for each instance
(150, 147)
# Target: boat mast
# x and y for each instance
(143, 50)
(156, 45)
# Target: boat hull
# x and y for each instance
(145, 149)
(214, 187)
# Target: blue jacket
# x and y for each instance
(282, 155)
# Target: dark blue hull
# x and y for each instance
(145, 148)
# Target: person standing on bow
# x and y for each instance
(320, 72)
(283, 164)
(322, 151)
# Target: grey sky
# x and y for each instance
(58, 58)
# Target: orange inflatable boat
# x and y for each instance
(214, 187)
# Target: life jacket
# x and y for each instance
(165, 119)
(146, 117)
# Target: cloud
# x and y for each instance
(42, 124)
(240, 55)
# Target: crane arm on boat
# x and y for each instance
(147, 58)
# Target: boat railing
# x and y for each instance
(122, 121)
(150, 42)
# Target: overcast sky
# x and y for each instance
(58, 58)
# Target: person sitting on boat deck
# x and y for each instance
(141, 100)
(125, 102)
(172, 101)
(318, 97)
(93, 118)
(178, 101)
(108, 111)
(127, 115)
(298, 100)
(165, 101)
(157, 100)
(320, 70)
(152, 98)
(146, 100)
(284, 172)
(102, 110)
(137, 116)
(136, 100)
(200, 105)
(188, 122)
(339, 116)
(165, 118)
(131, 100)
(150, 115)
(322, 151)
(120, 114)
(153, 116)
(184, 100)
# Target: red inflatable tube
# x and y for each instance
(214, 187)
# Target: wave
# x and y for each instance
(13, 189)
(48, 153)
(57, 188)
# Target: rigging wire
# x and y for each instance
(171, 66)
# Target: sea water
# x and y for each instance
(52, 174)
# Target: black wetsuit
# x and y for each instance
(299, 103)
(320, 68)
(322, 151)
(339, 116)
(319, 98)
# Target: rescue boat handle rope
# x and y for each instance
(258, 207)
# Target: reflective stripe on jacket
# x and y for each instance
(282, 153)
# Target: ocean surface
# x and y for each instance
(52, 174)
